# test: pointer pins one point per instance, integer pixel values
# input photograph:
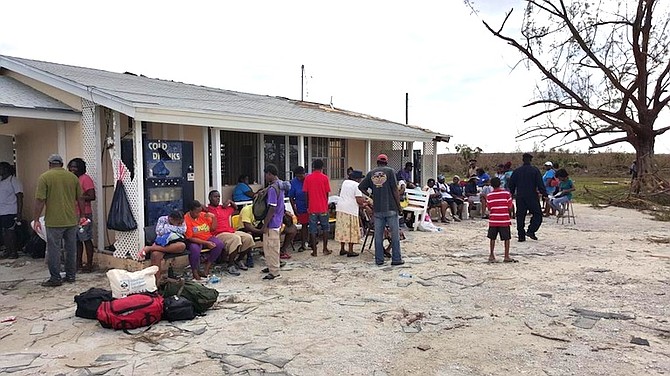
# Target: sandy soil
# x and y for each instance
(456, 315)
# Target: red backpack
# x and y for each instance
(131, 312)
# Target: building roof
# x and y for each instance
(156, 100)
(18, 99)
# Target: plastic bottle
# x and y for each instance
(405, 275)
(214, 279)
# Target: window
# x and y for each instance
(333, 152)
(239, 155)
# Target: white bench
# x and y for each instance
(418, 204)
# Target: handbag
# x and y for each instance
(120, 216)
(176, 308)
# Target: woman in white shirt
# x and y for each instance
(348, 229)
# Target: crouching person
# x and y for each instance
(170, 232)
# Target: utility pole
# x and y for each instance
(407, 108)
(302, 83)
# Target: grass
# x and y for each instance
(595, 184)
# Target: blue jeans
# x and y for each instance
(382, 220)
(68, 235)
(316, 219)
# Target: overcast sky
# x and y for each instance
(364, 54)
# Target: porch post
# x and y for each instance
(216, 159)
(100, 217)
(62, 144)
(139, 177)
(301, 151)
(261, 159)
(435, 159)
(205, 161)
(368, 151)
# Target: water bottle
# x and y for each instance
(214, 279)
(405, 275)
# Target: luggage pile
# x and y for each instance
(134, 300)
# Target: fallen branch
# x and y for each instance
(549, 337)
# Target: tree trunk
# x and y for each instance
(647, 180)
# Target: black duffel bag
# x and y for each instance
(89, 301)
(177, 308)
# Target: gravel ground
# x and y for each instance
(570, 306)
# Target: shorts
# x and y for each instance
(449, 200)
(7, 221)
(320, 219)
(303, 218)
(434, 202)
(504, 232)
(85, 233)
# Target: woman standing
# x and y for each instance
(348, 228)
(77, 166)
(199, 237)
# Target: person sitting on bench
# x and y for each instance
(170, 230)
(199, 236)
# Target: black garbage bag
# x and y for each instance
(120, 217)
(35, 247)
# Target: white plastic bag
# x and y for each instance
(427, 225)
(124, 283)
(43, 230)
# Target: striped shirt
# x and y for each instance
(499, 202)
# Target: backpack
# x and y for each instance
(260, 202)
(131, 312)
(89, 301)
(177, 308)
(202, 297)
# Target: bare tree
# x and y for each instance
(606, 70)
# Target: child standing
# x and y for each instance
(499, 203)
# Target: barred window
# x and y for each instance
(239, 155)
(333, 152)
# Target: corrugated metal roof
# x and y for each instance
(18, 95)
(144, 92)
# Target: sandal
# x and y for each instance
(510, 260)
(313, 253)
(327, 252)
(142, 254)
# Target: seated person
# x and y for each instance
(486, 189)
(481, 177)
(236, 243)
(170, 231)
(457, 193)
(471, 191)
(435, 200)
(243, 191)
(249, 224)
(199, 236)
(445, 191)
(563, 191)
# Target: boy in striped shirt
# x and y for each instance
(499, 203)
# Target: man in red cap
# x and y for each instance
(381, 184)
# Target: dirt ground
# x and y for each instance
(571, 306)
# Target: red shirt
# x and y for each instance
(222, 218)
(317, 187)
(86, 184)
(499, 202)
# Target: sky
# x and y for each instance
(362, 55)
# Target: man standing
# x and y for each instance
(406, 175)
(11, 207)
(77, 166)
(525, 183)
(59, 190)
(272, 223)
(317, 188)
(386, 204)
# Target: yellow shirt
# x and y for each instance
(247, 215)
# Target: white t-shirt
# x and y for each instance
(8, 189)
(444, 189)
(348, 193)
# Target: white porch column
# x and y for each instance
(435, 158)
(62, 144)
(261, 159)
(205, 161)
(139, 178)
(100, 217)
(368, 151)
(301, 151)
(216, 159)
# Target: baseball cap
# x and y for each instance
(456, 177)
(548, 163)
(55, 158)
(382, 158)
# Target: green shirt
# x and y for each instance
(60, 189)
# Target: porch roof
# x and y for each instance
(20, 100)
(156, 100)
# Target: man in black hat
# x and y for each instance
(524, 184)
